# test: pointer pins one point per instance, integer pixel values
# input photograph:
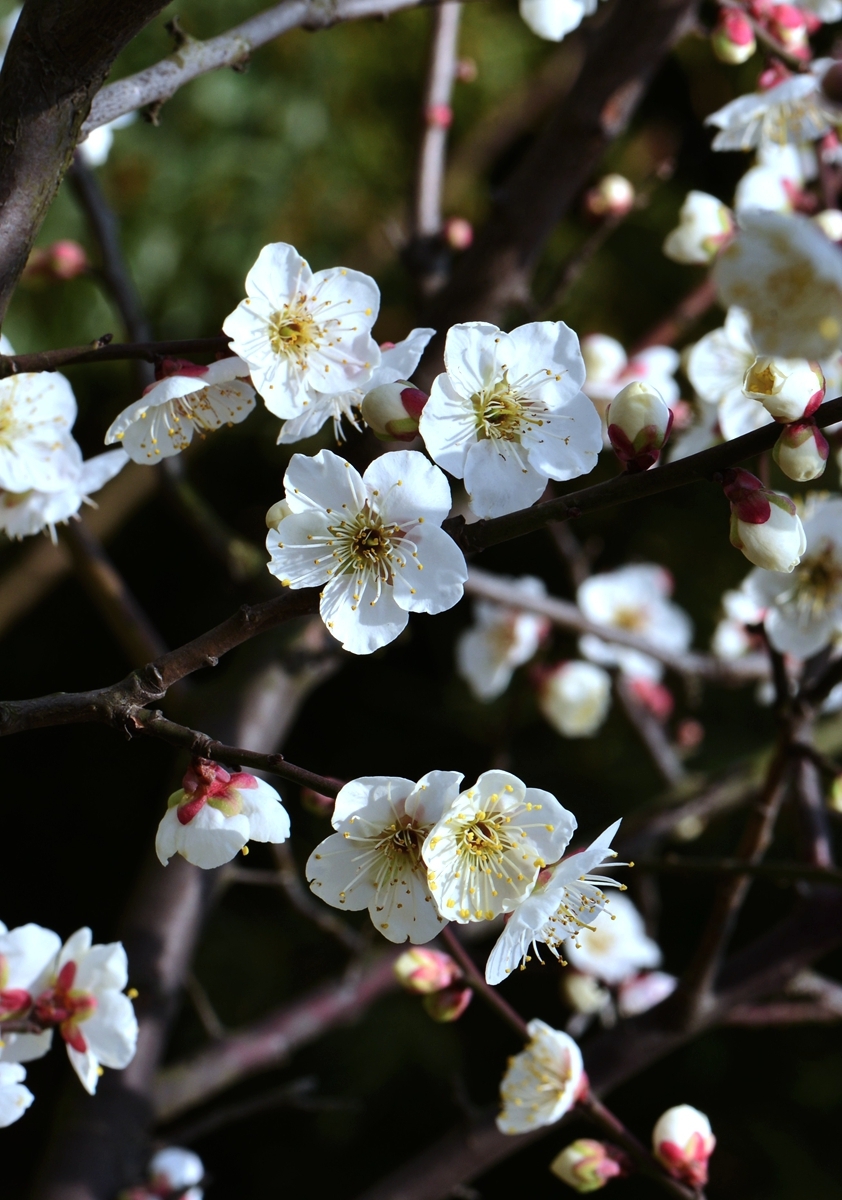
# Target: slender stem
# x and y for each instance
(104, 350)
(688, 310)
(674, 864)
(651, 733)
(437, 96)
(477, 981)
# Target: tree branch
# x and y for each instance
(104, 350)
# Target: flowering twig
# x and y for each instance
(272, 1040)
(427, 215)
(476, 979)
(233, 48)
(200, 745)
(763, 35)
(104, 350)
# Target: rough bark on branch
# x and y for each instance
(58, 59)
(624, 50)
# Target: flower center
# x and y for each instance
(484, 839)
(293, 330)
(402, 845)
(500, 413)
(64, 1006)
(631, 619)
(366, 546)
(817, 584)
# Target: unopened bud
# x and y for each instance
(639, 423)
(829, 221)
(174, 1169)
(583, 992)
(788, 388)
(733, 40)
(613, 196)
(683, 1143)
(393, 410)
(642, 992)
(458, 233)
(705, 225)
(789, 25)
(426, 971)
(764, 524)
(575, 698)
(654, 697)
(772, 75)
(449, 1004)
(586, 1165)
(801, 451)
(690, 733)
(58, 262)
(276, 514)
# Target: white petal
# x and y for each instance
(298, 551)
(267, 817)
(86, 1067)
(500, 479)
(324, 481)
(407, 487)
(438, 584)
(111, 1032)
(568, 442)
(448, 426)
(364, 624)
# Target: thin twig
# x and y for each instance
(476, 979)
(815, 825)
(205, 1011)
(299, 1094)
(651, 733)
(104, 350)
(674, 864)
(688, 310)
(437, 97)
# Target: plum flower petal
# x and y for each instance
(614, 945)
(23, 514)
(37, 411)
(500, 640)
(543, 1082)
(15, 1099)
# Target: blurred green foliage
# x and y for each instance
(315, 144)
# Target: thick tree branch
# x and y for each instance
(58, 59)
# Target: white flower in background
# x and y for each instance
(85, 1001)
(609, 369)
(214, 814)
(543, 1082)
(484, 854)
(636, 599)
(639, 993)
(509, 413)
(396, 363)
(777, 177)
(554, 19)
(177, 1171)
(27, 955)
(804, 607)
(795, 110)
(731, 639)
(194, 400)
(566, 898)
(302, 332)
(15, 1099)
(23, 514)
(801, 451)
(683, 1142)
(827, 11)
(764, 524)
(575, 698)
(829, 221)
(614, 945)
(705, 224)
(717, 366)
(612, 196)
(95, 149)
(583, 994)
(788, 388)
(374, 859)
(786, 274)
(500, 640)
(375, 541)
(37, 411)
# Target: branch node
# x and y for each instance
(152, 112)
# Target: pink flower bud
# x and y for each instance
(690, 733)
(788, 388)
(764, 524)
(392, 411)
(458, 233)
(733, 40)
(654, 696)
(801, 451)
(774, 74)
(448, 1004)
(639, 422)
(641, 992)
(467, 70)
(586, 1165)
(683, 1143)
(439, 115)
(613, 196)
(789, 25)
(58, 262)
(426, 971)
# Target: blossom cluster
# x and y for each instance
(77, 988)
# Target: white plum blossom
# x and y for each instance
(705, 224)
(635, 599)
(683, 1141)
(177, 1171)
(501, 639)
(192, 400)
(731, 639)
(15, 1099)
(575, 698)
(85, 1000)
(508, 413)
(396, 363)
(96, 147)
(788, 388)
(795, 110)
(484, 854)
(302, 332)
(609, 369)
(27, 955)
(614, 945)
(778, 175)
(375, 541)
(788, 276)
(639, 993)
(374, 859)
(803, 609)
(717, 366)
(554, 19)
(765, 525)
(801, 451)
(37, 411)
(23, 514)
(214, 814)
(543, 1082)
(566, 899)
(639, 423)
